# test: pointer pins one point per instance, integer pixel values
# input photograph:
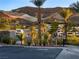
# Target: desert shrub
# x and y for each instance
(72, 42)
(59, 41)
(45, 39)
(6, 40)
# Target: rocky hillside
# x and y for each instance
(29, 14)
(33, 11)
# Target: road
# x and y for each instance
(23, 52)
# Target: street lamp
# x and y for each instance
(39, 3)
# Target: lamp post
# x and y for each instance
(39, 3)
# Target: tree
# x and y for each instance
(70, 26)
(66, 13)
(21, 36)
(39, 3)
(34, 35)
(44, 30)
(54, 27)
(4, 23)
(75, 6)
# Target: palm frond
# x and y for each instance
(75, 6)
(66, 13)
(38, 2)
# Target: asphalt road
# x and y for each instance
(15, 52)
(26, 52)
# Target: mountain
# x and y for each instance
(48, 14)
(52, 13)
(7, 15)
(13, 17)
(28, 15)
(33, 11)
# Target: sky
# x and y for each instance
(13, 4)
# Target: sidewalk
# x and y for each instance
(70, 52)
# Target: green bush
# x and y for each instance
(72, 42)
(8, 40)
(59, 41)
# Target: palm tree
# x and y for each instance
(75, 6)
(39, 3)
(66, 13)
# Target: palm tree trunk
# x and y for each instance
(39, 25)
(64, 40)
(21, 42)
